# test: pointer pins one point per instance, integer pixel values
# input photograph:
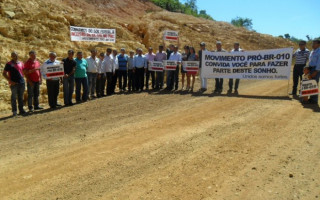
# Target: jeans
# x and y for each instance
(139, 78)
(315, 97)
(33, 94)
(219, 84)
(159, 79)
(297, 73)
(101, 85)
(173, 78)
(17, 90)
(84, 83)
(68, 89)
(92, 80)
(203, 81)
(123, 76)
(53, 92)
(131, 80)
(109, 83)
(236, 86)
(152, 73)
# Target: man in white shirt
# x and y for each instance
(101, 79)
(236, 86)
(173, 76)
(108, 67)
(150, 56)
(160, 56)
(115, 70)
(92, 72)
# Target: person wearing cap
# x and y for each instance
(236, 48)
(160, 56)
(101, 79)
(92, 73)
(13, 72)
(131, 77)
(219, 81)
(301, 55)
(108, 66)
(69, 65)
(150, 56)
(81, 78)
(31, 71)
(314, 65)
(53, 84)
(123, 70)
(203, 80)
(115, 70)
(173, 75)
(140, 67)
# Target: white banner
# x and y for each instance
(274, 64)
(155, 66)
(309, 88)
(171, 35)
(52, 71)
(191, 66)
(92, 34)
(170, 65)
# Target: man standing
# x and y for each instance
(314, 65)
(203, 80)
(123, 70)
(237, 48)
(92, 73)
(131, 77)
(109, 68)
(69, 65)
(115, 70)
(219, 81)
(301, 55)
(150, 56)
(173, 75)
(101, 79)
(140, 67)
(81, 78)
(13, 72)
(53, 84)
(32, 72)
(160, 56)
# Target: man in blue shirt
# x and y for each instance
(314, 65)
(81, 78)
(123, 70)
(140, 67)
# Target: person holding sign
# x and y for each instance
(203, 80)
(131, 77)
(184, 57)
(219, 81)
(81, 78)
(160, 57)
(32, 73)
(140, 67)
(236, 86)
(192, 57)
(314, 65)
(92, 72)
(13, 72)
(150, 56)
(173, 75)
(69, 65)
(305, 77)
(123, 70)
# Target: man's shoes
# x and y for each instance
(229, 91)
(30, 109)
(38, 108)
(14, 114)
(58, 105)
(22, 112)
(293, 93)
(236, 92)
(311, 101)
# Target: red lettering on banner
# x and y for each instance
(55, 74)
(306, 92)
(171, 38)
(157, 68)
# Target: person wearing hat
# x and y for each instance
(237, 48)
(301, 55)
(203, 80)
(314, 65)
(219, 81)
(150, 56)
(69, 65)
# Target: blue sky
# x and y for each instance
(275, 17)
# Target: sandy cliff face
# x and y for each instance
(44, 26)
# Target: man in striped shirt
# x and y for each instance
(301, 56)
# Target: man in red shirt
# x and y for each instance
(32, 73)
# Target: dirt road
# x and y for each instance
(258, 145)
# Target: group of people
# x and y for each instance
(97, 76)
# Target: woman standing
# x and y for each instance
(185, 57)
(192, 57)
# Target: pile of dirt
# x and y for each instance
(44, 26)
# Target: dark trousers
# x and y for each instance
(109, 83)
(173, 78)
(101, 85)
(81, 82)
(236, 85)
(315, 97)
(123, 78)
(297, 73)
(139, 78)
(53, 92)
(219, 84)
(17, 90)
(33, 94)
(68, 89)
(159, 79)
(131, 80)
(152, 73)
(114, 80)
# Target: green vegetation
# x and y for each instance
(189, 7)
(242, 22)
(297, 40)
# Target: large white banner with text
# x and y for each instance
(92, 34)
